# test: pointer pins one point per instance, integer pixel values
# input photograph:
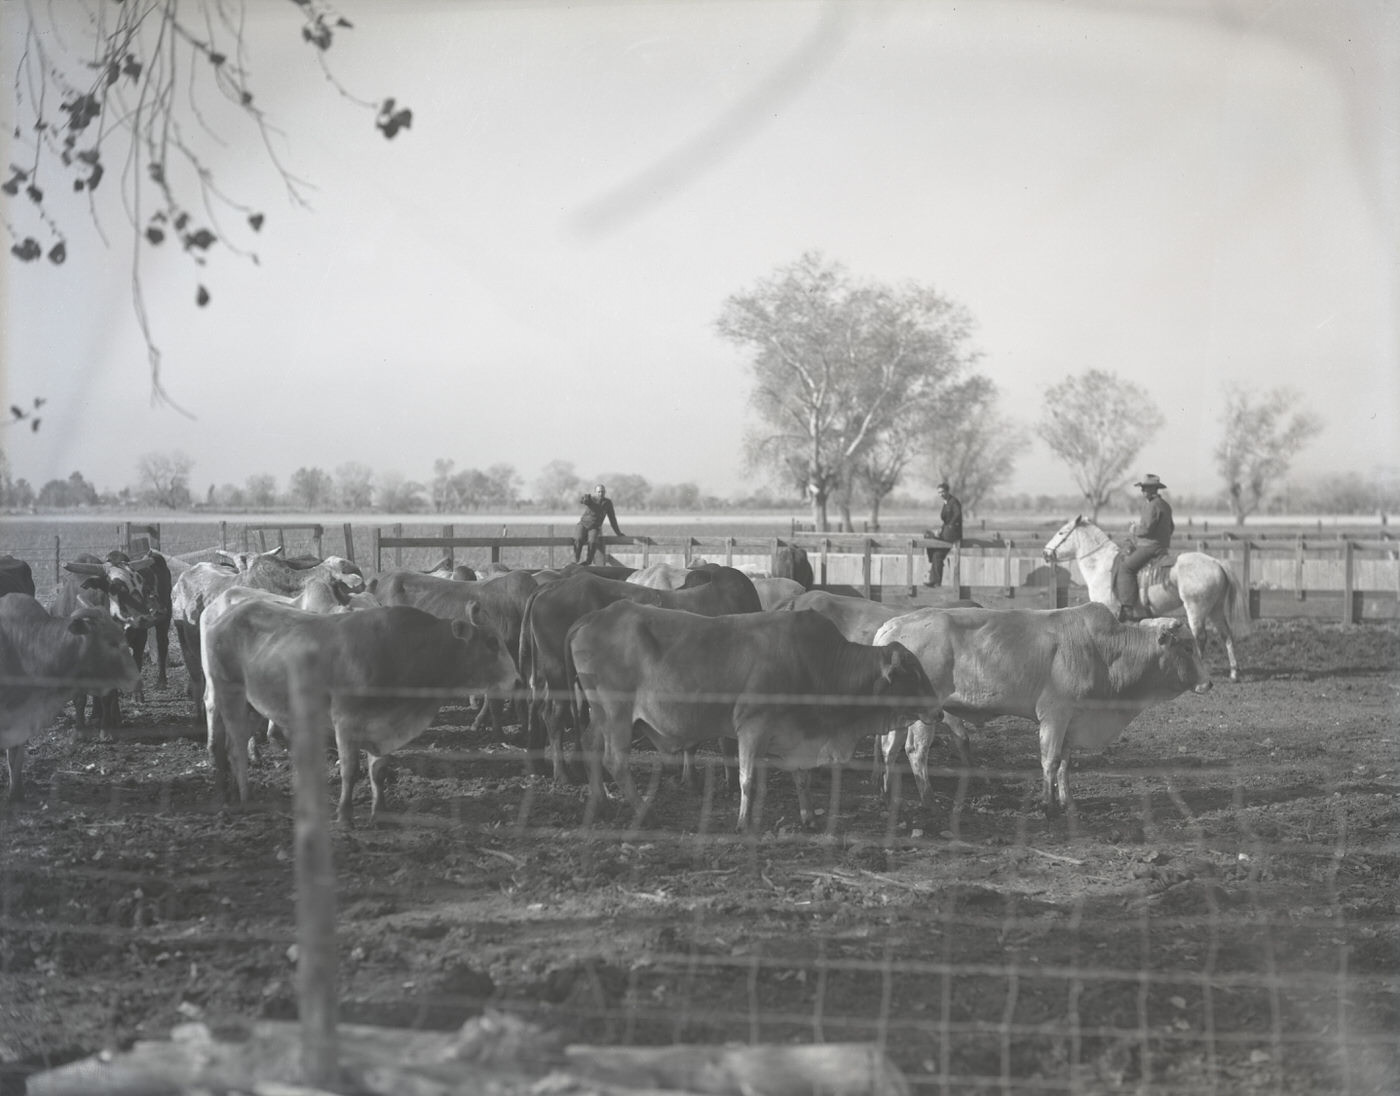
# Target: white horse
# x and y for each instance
(1202, 584)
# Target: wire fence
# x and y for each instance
(1218, 912)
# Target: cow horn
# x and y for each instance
(94, 569)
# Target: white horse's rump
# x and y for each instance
(1202, 584)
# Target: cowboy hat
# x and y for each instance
(1150, 480)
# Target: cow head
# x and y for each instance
(905, 687)
(346, 571)
(1180, 656)
(116, 583)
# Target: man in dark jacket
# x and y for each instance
(1152, 536)
(950, 530)
(597, 507)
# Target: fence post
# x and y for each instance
(223, 536)
(909, 574)
(1246, 577)
(398, 550)
(1348, 582)
(317, 538)
(349, 542)
(957, 567)
(1006, 571)
(865, 567)
(57, 562)
(317, 990)
(377, 549)
(451, 555)
(549, 531)
(1298, 569)
(729, 551)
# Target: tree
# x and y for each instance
(558, 483)
(505, 484)
(163, 479)
(397, 494)
(442, 492)
(1097, 424)
(260, 490)
(151, 90)
(354, 485)
(836, 363)
(1259, 441)
(310, 488)
(975, 448)
(74, 491)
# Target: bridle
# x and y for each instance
(1052, 550)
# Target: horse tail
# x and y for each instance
(1236, 604)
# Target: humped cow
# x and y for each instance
(158, 589)
(1079, 673)
(43, 660)
(374, 677)
(501, 602)
(788, 686)
(113, 587)
(552, 610)
(199, 585)
(15, 576)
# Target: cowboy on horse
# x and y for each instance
(1150, 538)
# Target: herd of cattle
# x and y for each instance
(593, 656)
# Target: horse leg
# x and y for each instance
(1222, 625)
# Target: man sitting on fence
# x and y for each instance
(1152, 537)
(596, 507)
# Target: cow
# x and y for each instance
(857, 618)
(661, 575)
(788, 686)
(790, 561)
(553, 608)
(775, 592)
(374, 677)
(262, 570)
(113, 587)
(501, 601)
(43, 660)
(15, 577)
(1079, 673)
(157, 587)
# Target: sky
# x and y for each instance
(1185, 194)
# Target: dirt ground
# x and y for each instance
(1222, 913)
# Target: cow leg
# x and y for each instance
(188, 636)
(891, 742)
(136, 640)
(378, 766)
(162, 654)
(749, 749)
(80, 701)
(14, 762)
(109, 708)
(916, 746)
(349, 772)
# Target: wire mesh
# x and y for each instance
(1218, 913)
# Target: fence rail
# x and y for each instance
(1341, 577)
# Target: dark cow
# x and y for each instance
(858, 618)
(788, 686)
(1077, 672)
(199, 585)
(552, 610)
(117, 589)
(600, 570)
(157, 587)
(15, 577)
(790, 561)
(43, 660)
(376, 677)
(501, 601)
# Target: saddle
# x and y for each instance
(1157, 572)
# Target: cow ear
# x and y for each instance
(461, 629)
(79, 627)
(96, 584)
(145, 563)
(474, 614)
(1168, 632)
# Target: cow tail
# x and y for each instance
(578, 699)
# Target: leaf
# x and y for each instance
(34, 426)
(35, 194)
(246, 98)
(201, 239)
(256, 221)
(155, 235)
(58, 253)
(27, 250)
(216, 59)
(12, 187)
(16, 412)
(202, 297)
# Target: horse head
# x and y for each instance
(1055, 543)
